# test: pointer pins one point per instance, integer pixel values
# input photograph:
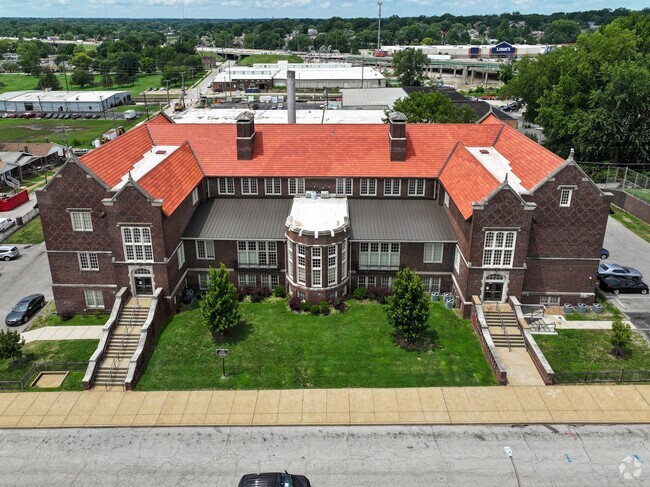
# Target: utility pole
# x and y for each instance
(379, 4)
(65, 76)
(146, 107)
(167, 81)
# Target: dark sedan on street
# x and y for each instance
(618, 285)
(616, 270)
(273, 480)
(25, 309)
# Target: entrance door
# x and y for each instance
(142, 282)
(493, 287)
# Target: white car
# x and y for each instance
(6, 223)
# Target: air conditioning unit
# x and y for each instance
(324, 194)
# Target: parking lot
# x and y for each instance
(27, 274)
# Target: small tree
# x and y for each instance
(408, 308)
(621, 336)
(11, 345)
(409, 66)
(49, 81)
(220, 306)
(82, 77)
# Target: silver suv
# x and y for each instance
(8, 252)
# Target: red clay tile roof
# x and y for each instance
(466, 180)
(161, 118)
(491, 119)
(173, 179)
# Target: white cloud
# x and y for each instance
(347, 5)
(275, 5)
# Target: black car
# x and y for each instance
(274, 479)
(24, 310)
(618, 285)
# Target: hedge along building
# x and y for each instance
(475, 209)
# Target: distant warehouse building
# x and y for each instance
(62, 101)
(308, 76)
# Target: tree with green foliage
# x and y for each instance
(82, 60)
(433, 108)
(409, 66)
(49, 81)
(82, 77)
(127, 67)
(407, 309)
(561, 31)
(220, 306)
(621, 336)
(11, 345)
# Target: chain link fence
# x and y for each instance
(623, 178)
(28, 377)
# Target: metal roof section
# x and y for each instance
(380, 98)
(59, 96)
(384, 220)
(150, 160)
(314, 215)
(240, 219)
(229, 115)
(498, 166)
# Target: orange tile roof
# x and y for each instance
(466, 180)
(173, 179)
(491, 119)
(161, 118)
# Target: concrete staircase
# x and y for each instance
(503, 325)
(122, 343)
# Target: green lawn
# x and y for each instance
(46, 318)
(51, 351)
(269, 59)
(632, 223)
(280, 349)
(610, 312)
(589, 350)
(643, 194)
(31, 233)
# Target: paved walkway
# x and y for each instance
(63, 333)
(562, 324)
(520, 367)
(462, 405)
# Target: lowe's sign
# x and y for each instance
(503, 49)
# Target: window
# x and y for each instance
(431, 284)
(386, 282)
(499, 249)
(565, 197)
(549, 300)
(257, 254)
(195, 196)
(226, 185)
(457, 260)
(247, 279)
(433, 253)
(446, 199)
(331, 265)
(94, 298)
(290, 259)
(205, 249)
(181, 255)
(137, 244)
(344, 186)
(344, 260)
(302, 261)
(316, 267)
(368, 187)
(248, 186)
(88, 261)
(204, 280)
(416, 187)
(296, 186)
(392, 187)
(81, 221)
(365, 281)
(272, 186)
(374, 255)
(270, 280)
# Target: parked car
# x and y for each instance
(618, 285)
(604, 253)
(8, 252)
(6, 223)
(25, 309)
(274, 480)
(613, 269)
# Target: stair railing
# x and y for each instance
(505, 328)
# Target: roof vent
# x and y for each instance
(161, 151)
(484, 151)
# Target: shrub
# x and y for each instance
(314, 309)
(295, 303)
(324, 308)
(305, 306)
(279, 292)
(359, 293)
(378, 294)
(241, 293)
(65, 316)
(340, 305)
(621, 336)
(11, 345)
(260, 294)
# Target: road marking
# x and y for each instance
(568, 459)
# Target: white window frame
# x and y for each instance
(344, 260)
(566, 195)
(273, 186)
(181, 255)
(387, 282)
(296, 186)
(549, 300)
(205, 249)
(290, 259)
(94, 298)
(431, 284)
(88, 261)
(379, 255)
(81, 221)
(457, 260)
(204, 281)
(366, 281)
(392, 186)
(301, 263)
(344, 186)
(226, 185)
(195, 196)
(257, 254)
(499, 248)
(368, 187)
(249, 186)
(246, 280)
(316, 267)
(416, 187)
(270, 280)
(332, 265)
(446, 199)
(433, 253)
(137, 242)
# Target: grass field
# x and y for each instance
(632, 223)
(643, 194)
(269, 59)
(46, 318)
(31, 233)
(280, 349)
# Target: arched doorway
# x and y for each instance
(142, 281)
(494, 287)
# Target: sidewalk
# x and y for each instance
(316, 407)
(562, 324)
(63, 333)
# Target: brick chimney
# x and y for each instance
(245, 135)
(397, 136)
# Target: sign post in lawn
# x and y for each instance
(223, 353)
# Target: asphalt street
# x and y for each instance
(27, 274)
(329, 456)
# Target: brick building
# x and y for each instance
(476, 209)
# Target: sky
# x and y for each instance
(229, 9)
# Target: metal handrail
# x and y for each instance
(505, 329)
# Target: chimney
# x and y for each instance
(245, 135)
(397, 136)
(291, 96)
